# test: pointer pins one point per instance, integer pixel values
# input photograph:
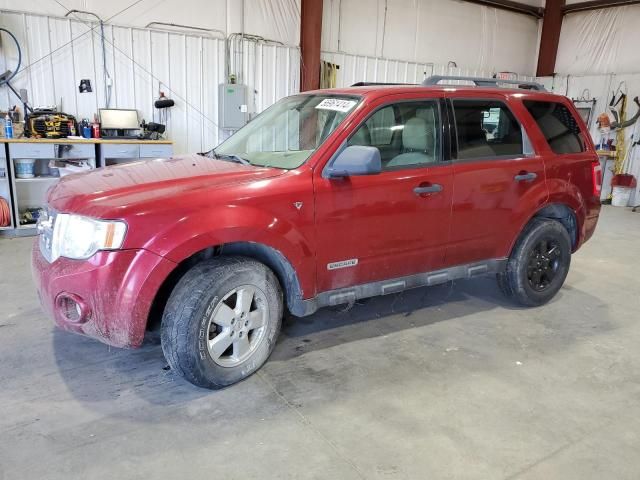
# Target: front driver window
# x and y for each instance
(406, 134)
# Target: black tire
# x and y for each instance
(186, 330)
(532, 278)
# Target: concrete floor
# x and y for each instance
(446, 382)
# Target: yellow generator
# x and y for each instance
(46, 124)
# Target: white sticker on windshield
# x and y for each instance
(337, 104)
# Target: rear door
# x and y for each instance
(395, 223)
(499, 181)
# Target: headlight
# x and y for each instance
(78, 237)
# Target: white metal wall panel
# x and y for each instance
(193, 91)
(83, 67)
(358, 68)
(145, 89)
(121, 49)
(61, 64)
(141, 62)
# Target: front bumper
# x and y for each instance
(113, 291)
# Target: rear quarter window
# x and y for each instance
(558, 126)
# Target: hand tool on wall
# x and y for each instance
(628, 123)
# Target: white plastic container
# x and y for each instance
(620, 196)
(25, 167)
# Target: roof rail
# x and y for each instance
(484, 82)
(369, 84)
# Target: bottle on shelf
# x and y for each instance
(95, 127)
(8, 126)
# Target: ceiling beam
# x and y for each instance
(596, 4)
(512, 6)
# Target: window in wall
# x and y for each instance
(405, 133)
(486, 128)
(558, 125)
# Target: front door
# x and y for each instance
(395, 223)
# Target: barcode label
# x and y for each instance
(336, 104)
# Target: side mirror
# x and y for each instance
(355, 160)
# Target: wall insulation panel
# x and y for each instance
(600, 42)
(439, 31)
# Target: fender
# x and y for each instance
(569, 198)
(246, 230)
(567, 193)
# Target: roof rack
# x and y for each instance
(369, 84)
(484, 82)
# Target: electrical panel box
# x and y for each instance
(232, 106)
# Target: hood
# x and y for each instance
(117, 186)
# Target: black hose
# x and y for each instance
(15, 72)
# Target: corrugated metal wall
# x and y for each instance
(141, 62)
(362, 68)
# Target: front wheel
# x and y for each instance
(539, 263)
(221, 321)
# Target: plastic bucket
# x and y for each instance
(620, 196)
(25, 167)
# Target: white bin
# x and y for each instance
(620, 196)
(25, 167)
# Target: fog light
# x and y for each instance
(72, 308)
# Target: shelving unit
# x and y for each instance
(30, 193)
(24, 193)
(38, 179)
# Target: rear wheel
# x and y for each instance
(539, 263)
(222, 321)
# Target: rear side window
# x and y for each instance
(558, 125)
(485, 129)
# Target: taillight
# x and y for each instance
(596, 177)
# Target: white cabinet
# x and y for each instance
(115, 153)
(155, 151)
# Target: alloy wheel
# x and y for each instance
(237, 325)
(544, 261)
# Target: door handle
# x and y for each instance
(525, 177)
(434, 188)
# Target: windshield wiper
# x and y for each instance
(234, 158)
(224, 156)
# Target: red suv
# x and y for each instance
(326, 197)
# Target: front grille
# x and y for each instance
(46, 223)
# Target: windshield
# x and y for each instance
(287, 133)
